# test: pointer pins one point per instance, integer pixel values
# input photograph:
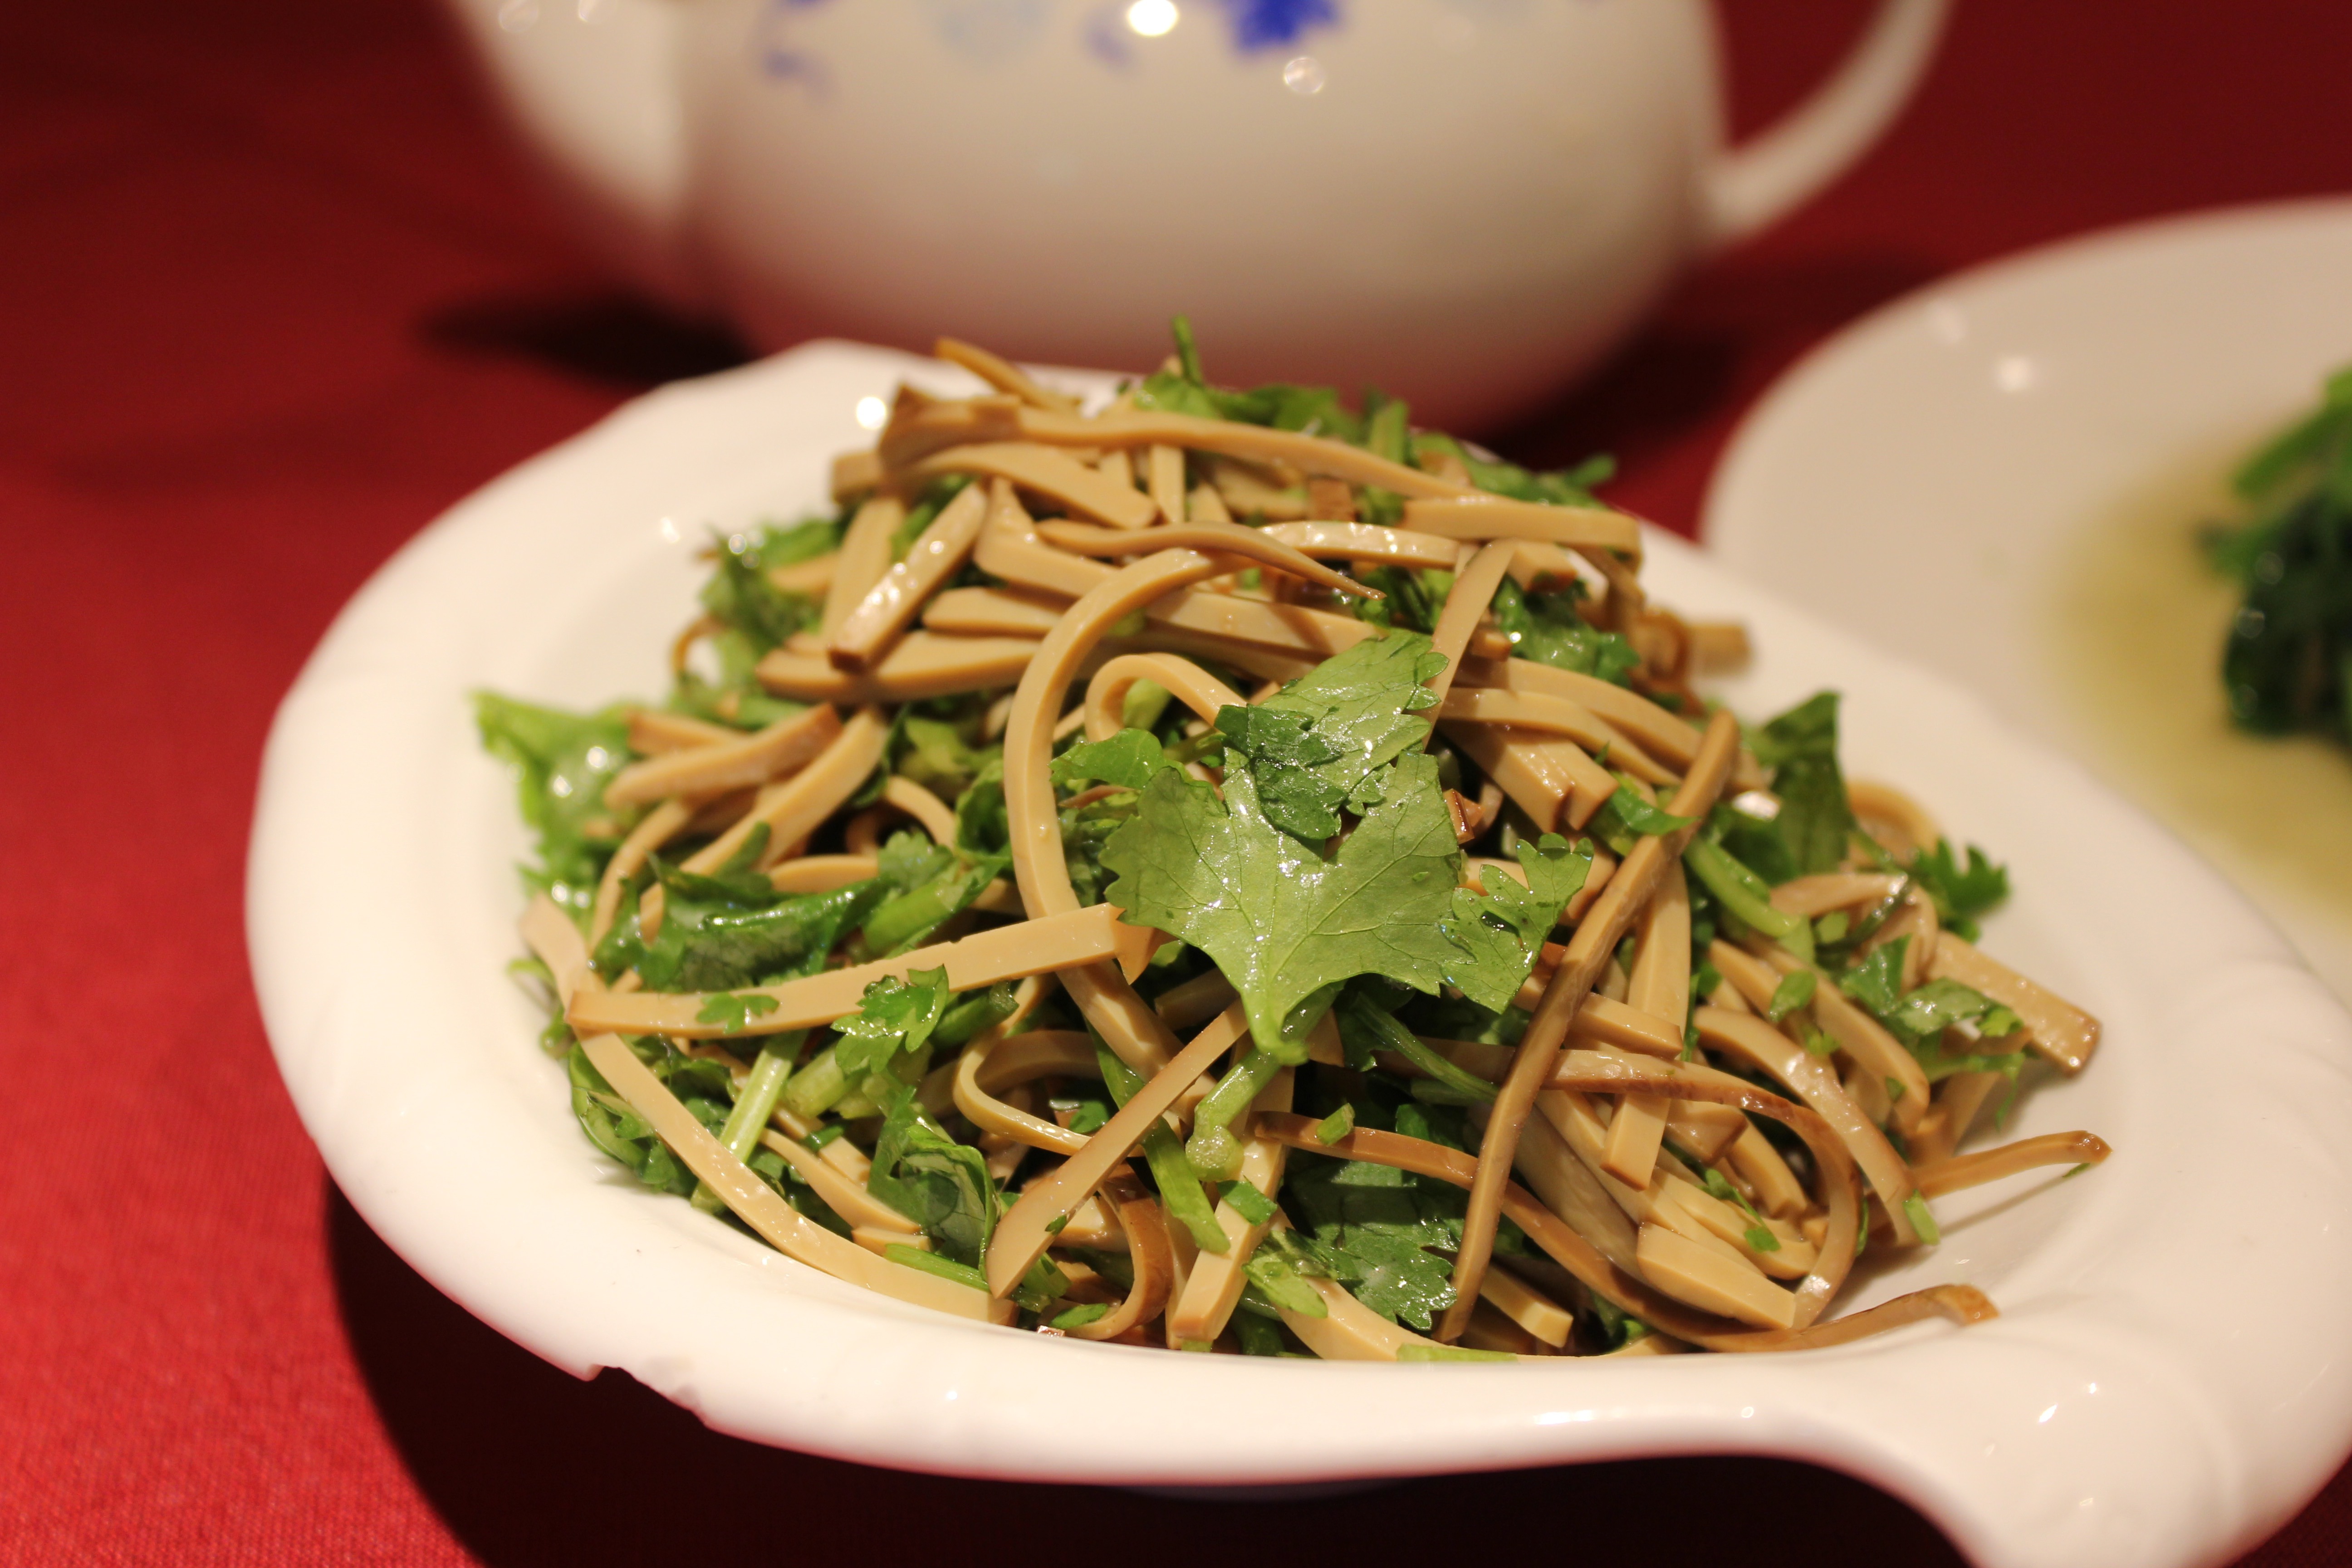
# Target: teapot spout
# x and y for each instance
(591, 86)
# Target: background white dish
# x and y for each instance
(1933, 478)
(2129, 1408)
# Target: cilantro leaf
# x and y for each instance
(1545, 629)
(933, 754)
(909, 860)
(982, 824)
(1878, 981)
(1502, 932)
(1625, 817)
(733, 1011)
(710, 939)
(1796, 989)
(1801, 747)
(1960, 893)
(1283, 750)
(942, 1185)
(894, 1017)
(1360, 703)
(1130, 759)
(563, 762)
(904, 921)
(1415, 597)
(1919, 1017)
(752, 615)
(1933, 1008)
(1285, 925)
(1371, 1227)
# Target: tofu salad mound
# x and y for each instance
(1230, 871)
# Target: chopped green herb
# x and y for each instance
(1915, 1208)
(1336, 1125)
(896, 1016)
(1079, 1316)
(1501, 934)
(1801, 748)
(1249, 1203)
(1130, 759)
(1796, 989)
(733, 1012)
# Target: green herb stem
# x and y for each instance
(1745, 894)
(754, 1103)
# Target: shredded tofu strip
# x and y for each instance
(1552, 781)
(1166, 473)
(1366, 541)
(2053, 1026)
(1251, 442)
(792, 809)
(1813, 897)
(1038, 946)
(1004, 376)
(1538, 714)
(1350, 1331)
(1657, 732)
(1010, 548)
(1882, 807)
(1149, 1249)
(1215, 1286)
(1627, 1290)
(1466, 606)
(1863, 1038)
(1660, 987)
(936, 555)
(757, 1203)
(1027, 1230)
(937, 818)
(1757, 1043)
(555, 941)
(2025, 1154)
(1588, 954)
(1580, 528)
(921, 664)
(845, 1197)
(986, 1067)
(657, 827)
(1042, 471)
(739, 761)
(993, 612)
(653, 731)
(864, 555)
(1195, 688)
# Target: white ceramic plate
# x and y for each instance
(2164, 1385)
(1999, 476)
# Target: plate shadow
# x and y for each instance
(529, 1466)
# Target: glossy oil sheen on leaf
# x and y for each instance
(1363, 704)
(1281, 921)
(1501, 934)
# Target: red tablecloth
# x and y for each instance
(274, 297)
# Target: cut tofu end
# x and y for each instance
(1691, 1272)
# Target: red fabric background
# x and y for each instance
(274, 298)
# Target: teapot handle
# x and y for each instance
(1755, 185)
(591, 86)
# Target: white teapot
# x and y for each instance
(1464, 202)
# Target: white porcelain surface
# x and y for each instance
(2167, 1382)
(1464, 201)
(1930, 475)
